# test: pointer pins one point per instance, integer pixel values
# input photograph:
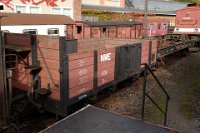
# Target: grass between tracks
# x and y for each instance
(190, 105)
(153, 114)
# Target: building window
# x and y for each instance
(5, 31)
(78, 29)
(151, 26)
(53, 31)
(165, 26)
(1, 8)
(104, 30)
(159, 26)
(56, 11)
(20, 9)
(67, 12)
(30, 31)
(34, 10)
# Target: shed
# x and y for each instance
(125, 29)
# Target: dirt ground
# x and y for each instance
(181, 78)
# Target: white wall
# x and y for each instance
(41, 29)
(91, 2)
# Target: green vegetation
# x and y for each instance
(190, 102)
(153, 113)
(108, 15)
(102, 15)
(111, 16)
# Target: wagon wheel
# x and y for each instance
(175, 38)
(93, 98)
(182, 37)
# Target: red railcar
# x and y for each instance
(156, 27)
(188, 21)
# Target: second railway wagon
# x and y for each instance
(109, 29)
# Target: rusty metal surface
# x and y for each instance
(18, 39)
(95, 120)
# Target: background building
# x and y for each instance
(71, 8)
(113, 3)
(76, 8)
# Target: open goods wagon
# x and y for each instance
(56, 73)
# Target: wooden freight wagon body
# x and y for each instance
(68, 70)
(125, 30)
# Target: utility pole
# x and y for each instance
(3, 92)
(4, 105)
(5, 87)
(145, 18)
(3, 119)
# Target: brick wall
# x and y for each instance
(102, 2)
(77, 9)
(122, 3)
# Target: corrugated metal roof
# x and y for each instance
(35, 19)
(158, 5)
(112, 23)
(154, 19)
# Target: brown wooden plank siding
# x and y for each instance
(76, 91)
(105, 66)
(49, 58)
(81, 73)
(145, 52)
